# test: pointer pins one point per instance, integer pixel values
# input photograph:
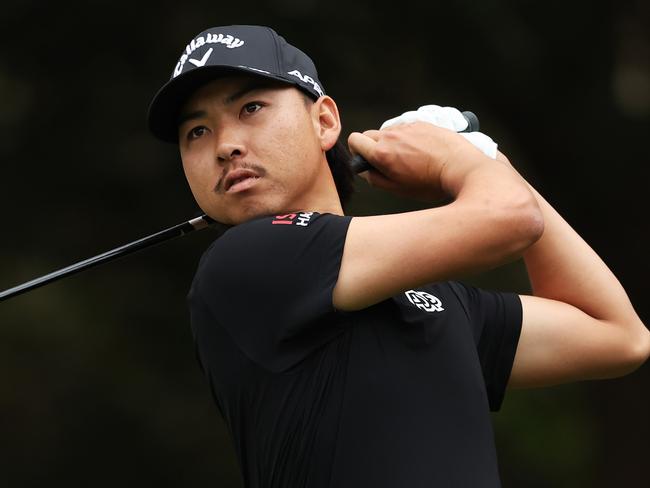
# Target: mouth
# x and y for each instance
(240, 179)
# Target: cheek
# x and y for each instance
(294, 144)
(197, 176)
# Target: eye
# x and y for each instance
(252, 107)
(196, 132)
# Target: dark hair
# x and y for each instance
(338, 159)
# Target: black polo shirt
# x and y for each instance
(395, 395)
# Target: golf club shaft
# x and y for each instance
(164, 235)
(358, 164)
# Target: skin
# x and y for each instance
(579, 325)
(229, 130)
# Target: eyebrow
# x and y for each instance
(197, 114)
(249, 87)
(230, 99)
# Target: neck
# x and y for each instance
(322, 197)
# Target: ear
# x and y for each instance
(327, 123)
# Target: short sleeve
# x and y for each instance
(495, 319)
(269, 284)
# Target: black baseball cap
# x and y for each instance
(218, 51)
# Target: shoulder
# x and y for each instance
(276, 233)
(271, 245)
(278, 226)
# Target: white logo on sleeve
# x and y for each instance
(424, 301)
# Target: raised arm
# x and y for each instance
(492, 219)
(580, 324)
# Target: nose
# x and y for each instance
(228, 150)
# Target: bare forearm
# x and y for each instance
(562, 266)
(581, 324)
(492, 219)
(500, 209)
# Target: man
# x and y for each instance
(336, 350)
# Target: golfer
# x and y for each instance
(337, 349)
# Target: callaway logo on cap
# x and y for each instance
(218, 51)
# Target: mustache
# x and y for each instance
(259, 170)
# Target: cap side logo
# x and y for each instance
(229, 41)
(307, 79)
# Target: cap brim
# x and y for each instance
(166, 104)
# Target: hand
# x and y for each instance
(448, 118)
(410, 159)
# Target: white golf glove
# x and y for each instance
(447, 118)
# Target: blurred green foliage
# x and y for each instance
(98, 382)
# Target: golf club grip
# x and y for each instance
(358, 164)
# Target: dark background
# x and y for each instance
(98, 382)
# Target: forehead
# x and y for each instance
(228, 89)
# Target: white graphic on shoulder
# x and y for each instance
(307, 79)
(229, 41)
(202, 61)
(424, 301)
